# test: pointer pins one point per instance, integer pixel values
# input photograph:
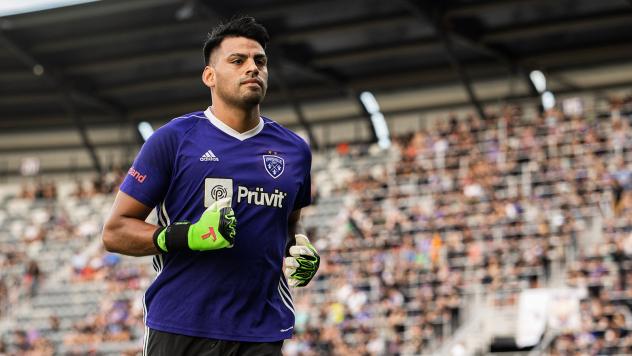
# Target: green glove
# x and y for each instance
(303, 262)
(215, 230)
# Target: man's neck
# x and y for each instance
(240, 120)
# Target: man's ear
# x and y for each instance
(208, 76)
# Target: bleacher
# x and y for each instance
(421, 245)
(492, 207)
(77, 279)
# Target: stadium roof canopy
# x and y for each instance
(122, 61)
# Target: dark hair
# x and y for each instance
(237, 27)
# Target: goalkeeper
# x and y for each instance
(227, 186)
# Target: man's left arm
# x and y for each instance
(292, 229)
(302, 260)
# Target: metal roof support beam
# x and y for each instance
(477, 7)
(81, 127)
(81, 41)
(505, 58)
(57, 79)
(551, 60)
(542, 28)
(423, 16)
(373, 52)
(58, 82)
(500, 55)
(514, 64)
(335, 79)
(462, 72)
(296, 105)
(343, 26)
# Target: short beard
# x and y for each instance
(247, 102)
(253, 100)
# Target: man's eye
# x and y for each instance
(238, 61)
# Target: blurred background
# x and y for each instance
(471, 176)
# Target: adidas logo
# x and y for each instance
(209, 156)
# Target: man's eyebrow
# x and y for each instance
(243, 55)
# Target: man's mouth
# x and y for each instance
(253, 81)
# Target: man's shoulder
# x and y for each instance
(180, 125)
(185, 122)
(173, 131)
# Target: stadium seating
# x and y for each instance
(410, 238)
(501, 204)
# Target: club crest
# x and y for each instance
(274, 165)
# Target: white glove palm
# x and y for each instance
(303, 262)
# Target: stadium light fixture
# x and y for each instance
(8, 8)
(377, 119)
(145, 129)
(539, 80)
(186, 11)
(381, 130)
(369, 102)
(548, 100)
(38, 70)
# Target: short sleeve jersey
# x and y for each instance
(240, 293)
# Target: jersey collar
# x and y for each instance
(229, 130)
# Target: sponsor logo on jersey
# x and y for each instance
(209, 156)
(136, 175)
(259, 197)
(274, 165)
(216, 189)
(219, 188)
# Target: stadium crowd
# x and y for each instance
(606, 318)
(39, 235)
(119, 316)
(468, 202)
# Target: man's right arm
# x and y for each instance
(125, 230)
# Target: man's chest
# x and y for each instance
(262, 174)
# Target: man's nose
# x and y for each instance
(252, 67)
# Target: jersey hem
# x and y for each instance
(215, 335)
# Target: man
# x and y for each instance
(242, 180)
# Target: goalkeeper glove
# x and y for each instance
(303, 262)
(214, 230)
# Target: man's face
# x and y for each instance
(238, 72)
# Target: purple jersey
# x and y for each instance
(239, 293)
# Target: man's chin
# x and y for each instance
(253, 99)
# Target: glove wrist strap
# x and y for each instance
(176, 237)
(154, 238)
